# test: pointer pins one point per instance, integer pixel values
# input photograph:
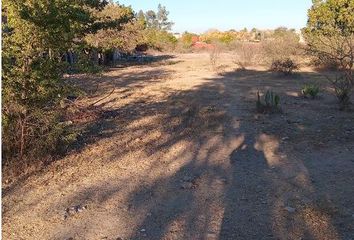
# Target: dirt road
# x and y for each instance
(180, 153)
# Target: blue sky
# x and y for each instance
(201, 15)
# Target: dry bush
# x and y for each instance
(214, 55)
(246, 53)
(32, 135)
(343, 88)
(286, 66)
(280, 49)
(324, 64)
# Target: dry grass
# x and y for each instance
(179, 152)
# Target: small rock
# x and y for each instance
(143, 230)
(187, 179)
(75, 209)
(212, 236)
(187, 185)
(221, 181)
(290, 209)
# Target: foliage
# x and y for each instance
(158, 20)
(188, 39)
(215, 36)
(159, 40)
(269, 103)
(36, 35)
(121, 29)
(156, 35)
(343, 87)
(330, 37)
(311, 90)
(286, 67)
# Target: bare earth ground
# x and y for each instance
(180, 153)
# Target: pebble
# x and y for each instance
(290, 209)
(221, 181)
(212, 236)
(187, 179)
(73, 210)
(187, 185)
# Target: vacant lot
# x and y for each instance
(177, 151)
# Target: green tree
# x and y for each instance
(151, 20)
(156, 34)
(120, 29)
(37, 34)
(162, 18)
(158, 20)
(330, 37)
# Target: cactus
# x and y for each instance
(311, 90)
(270, 104)
(276, 100)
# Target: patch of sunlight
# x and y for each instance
(269, 146)
(292, 93)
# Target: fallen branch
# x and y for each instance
(99, 100)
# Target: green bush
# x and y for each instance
(34, 42)
(269, 103)
(311, 90)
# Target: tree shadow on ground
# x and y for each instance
(238, 176)
(213, 168)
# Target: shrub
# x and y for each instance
(282, 44)
(269, 103)
(343, 86)
(34, 134)
(214, 57)
(32, 86)
(329, 35)
(286, 66)
(311, 90)
(246, 54)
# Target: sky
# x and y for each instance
(201, 15)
